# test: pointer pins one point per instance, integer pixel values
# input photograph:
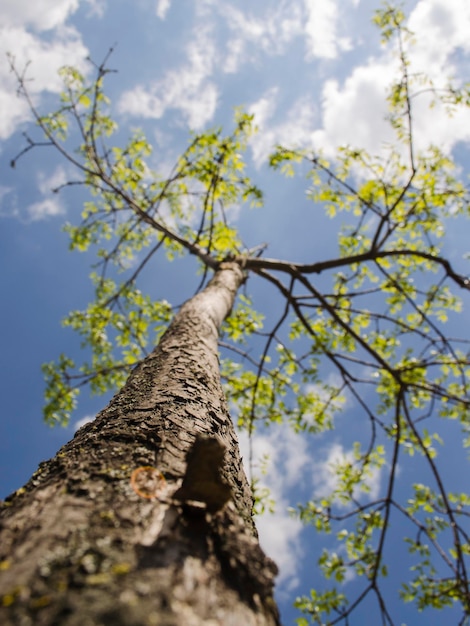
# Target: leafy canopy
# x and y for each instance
(378, 320)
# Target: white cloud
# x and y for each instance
(290, 470)
(354, 111)
(435, 126)
(4, 191)
(324, 476)
(47, 184)
(321, 29)
(264, 108)
(235, 55)
(270, 33)
(279, 535)
(286, 468)
(44, 56)
(7, 209)
(40, 15)
(81, 422)
(96, 7)
(295, 130)
(14, 110)
(162, 8)
(187, 89)
(333, 403)
(49, 206)
(278, 25)
(440, 27)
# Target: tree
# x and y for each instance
(82, 548)
(376, 317)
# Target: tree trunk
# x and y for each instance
(97, 536)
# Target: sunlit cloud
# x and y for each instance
(162, 8)
(325, 479)
(250, 34)
(441, 27)
(23, 24)
(50, 206)
(187, 89)
(354, 111)
(8, 207)
(446, 23)
(48, 183)
(294, 130)
(40, 15)
(321, 30)
(96, 8)
(264, 108)
(81, 422)
(284, 460)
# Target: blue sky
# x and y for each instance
(313, 73)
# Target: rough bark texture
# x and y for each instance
(79, 545)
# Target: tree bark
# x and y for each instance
(98, 537)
